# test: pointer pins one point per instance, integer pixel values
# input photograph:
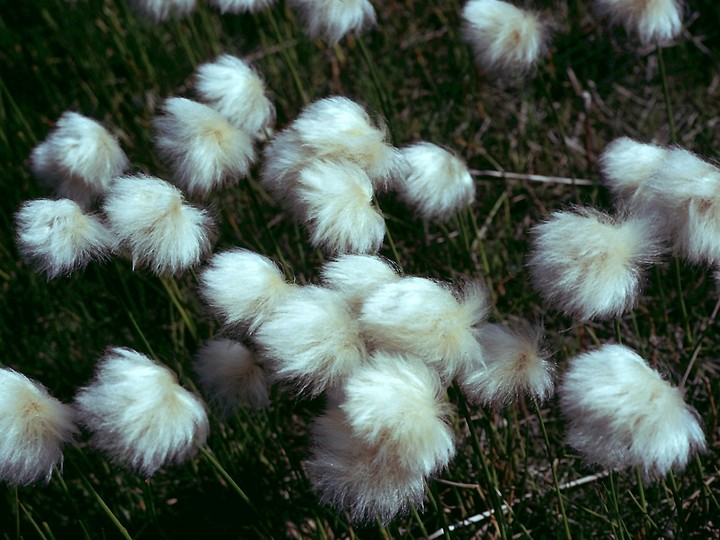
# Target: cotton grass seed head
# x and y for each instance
(34, 427)
(203, 148)
(627, 165)
(335, 203)
(344, 472)
(241, 6)
(396, 405)
(356, 276)
(234, 89)
(139, 415)
(57, 238)
(230, 376)
(423, 318)
(331, 20)
(162, 10)
(243, 288)
(514, 364)
(589, 265)
(621, 413)
(652, 21)
(153, 222)
(78, 159)
(507, 41)
(312, 341)
(439, 183)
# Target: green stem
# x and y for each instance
(17, 512)
(289, 62)
(207, 454)
(666, 96)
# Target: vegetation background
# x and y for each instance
(513, 476)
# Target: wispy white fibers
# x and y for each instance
(627, 164)
(56, 237)
(34, 427)
(427, 319)
(356, 276)
(139, 415)
(234, 89)
(331, 20)
(312, 340)
(203, 148)
(651, 20)
(243, 287)
(332, 129)
(589, 265)
(396, 406)
(241, 6)
(514, 364)
(161, 10)
(78, 159)
(439, 183)
(230, 376)
(348, 474)
(621, 413)
(335, 203)
(506, 40)
(151, 219)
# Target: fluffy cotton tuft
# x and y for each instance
(151, 219)
(439, 183)
(139, 415)
(514, 364)
(204, 149)
(506, 40)
(627, 164)
(651, 20)
(312, 341)
(622, 413)
(589, 265)
(396, 406)
(346, 473)
(234, 89)
(161, 10)
(334, 201)
(34, 427)
(230, 376)
(241, 6)
(78, 159)
(56, 237)
(243, 287)
(423, 318)
(331, 20)
(355, 276)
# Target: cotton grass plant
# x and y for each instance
(353, 313)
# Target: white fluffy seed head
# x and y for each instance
(56, 237)
(335, 203)
(506, 40)
(652, 21)
(312, 341)
(234, 89)
(423, 318)
(331, 20)
(346, 474)
(161, 10)
(439, 183)
(589, 265)
(78, 159)
(139, 415)
(396, 406)
(621, 413)
(243, 288)
(230, 376)
(356, 276)
(203, 148)
(514, 364)
(34, 427)
(151, 219)
(627, 165)
(241, 6)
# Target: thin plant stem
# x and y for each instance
(229, 479)
(32, 521)
(119, 526)
(17, 512)
(289, 62)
